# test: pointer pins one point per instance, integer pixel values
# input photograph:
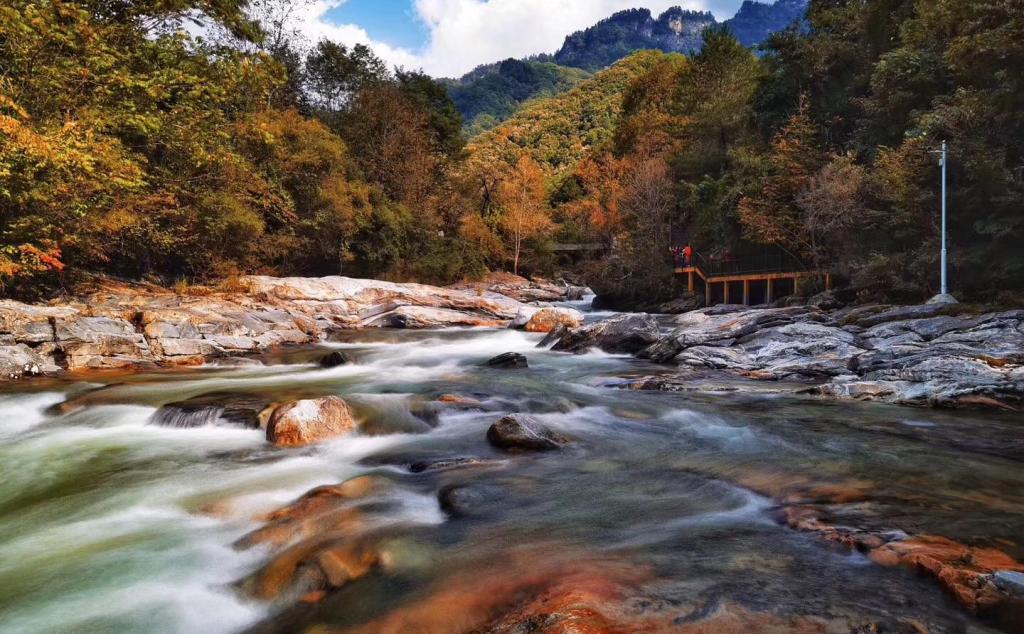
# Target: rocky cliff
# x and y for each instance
(674, 31)
(626, 32)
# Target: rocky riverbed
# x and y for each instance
(132, 326)
(930, 355)
(483, 480)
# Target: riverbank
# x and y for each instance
(928, 355)
(120, 326)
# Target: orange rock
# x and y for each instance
(308, 421)
(321, 497)
(537, 591)
(313, 565)
(314, 597)
(962, 570)
(547, 319)
(322, 511)
(455, 399)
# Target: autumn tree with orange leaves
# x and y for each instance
(525, 211)
(774, 216)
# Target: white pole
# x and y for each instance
(945, 288)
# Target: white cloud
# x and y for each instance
(466, 33)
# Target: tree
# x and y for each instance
(831, 205)
(336, 74)
(431, 98)
(523, 197)
(393, 144)
(773, 216)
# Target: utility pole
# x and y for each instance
(943, 297)
(945, 286)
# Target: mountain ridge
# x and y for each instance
(490, 93)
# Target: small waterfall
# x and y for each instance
(187, 417)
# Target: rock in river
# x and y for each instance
(468, 500)
(520, 432)
(625, 334)
(308, 421)
(547, 319)
(244, 410)
(334, 359)
(509, 360)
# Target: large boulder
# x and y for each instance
(310, 420)
(101, 342)
(547, 319)
(622, 334)
(682, 305)
(518, 432)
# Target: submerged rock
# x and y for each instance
(626, 333)
(315, 565)
(324, 510)
(334, 359)
(308, 421)
(966, 572)
(509, 360)
(521, 432)
(448, 464)
(468, 500)
(244, 410)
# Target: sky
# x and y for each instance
(447, 38)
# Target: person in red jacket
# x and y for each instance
(688, 255)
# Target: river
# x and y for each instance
(111, 523)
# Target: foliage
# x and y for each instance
(491, 94)
(128, 147)
(559, 132)
(523, 199)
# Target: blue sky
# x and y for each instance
(447, 38)
(393, 22)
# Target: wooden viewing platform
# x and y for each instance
(767, 285)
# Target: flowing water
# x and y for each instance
(112, 523)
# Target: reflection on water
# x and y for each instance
(111, 523)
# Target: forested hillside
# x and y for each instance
(491, 94)
(823, 147)
(128, 147)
